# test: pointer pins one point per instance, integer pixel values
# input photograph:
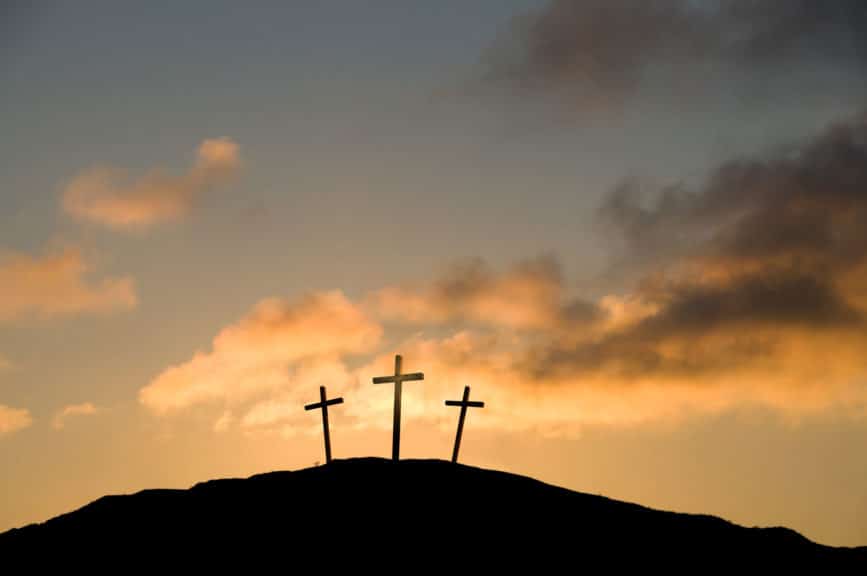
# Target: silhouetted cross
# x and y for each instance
(464, 404)
(398, 379)
(324, 404)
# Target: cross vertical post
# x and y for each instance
(464, 404)
(397, 379)
(398, 395)
(323, 404)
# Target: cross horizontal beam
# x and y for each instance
(398, 378)
(471, 404)
(318, 405)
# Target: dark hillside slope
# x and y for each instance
(369, 510)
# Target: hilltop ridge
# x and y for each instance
(426, 508)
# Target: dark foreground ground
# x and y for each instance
(412, 516)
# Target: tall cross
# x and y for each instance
(398, 379)
(324, 403)
(464, 404)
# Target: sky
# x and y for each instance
(636, 230)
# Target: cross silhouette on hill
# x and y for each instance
(464, 404)
(323, 404)
(398, 379)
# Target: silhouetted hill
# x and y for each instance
(370, 511)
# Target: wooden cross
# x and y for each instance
(324, 403)
(464, 404)
(398, 379)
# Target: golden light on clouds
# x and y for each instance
(13, 419)
(749, 295)
(528, 296)
(107, 196)
(251, 357)
(72, 411)
(58, 284)
(623, 361)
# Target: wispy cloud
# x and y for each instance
(224, 421)
(13, 419)
(105, 195)
(72, 410)
(57, 284)
(601, 53)
(530, 296)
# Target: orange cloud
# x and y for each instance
(83, 409)
(632, 364)
(281, 411)
(752, 296)
(57, 285)
(528, 296)
(224, 421)
(105, 196)
(795, 382)
(257, 355)
(13, 419)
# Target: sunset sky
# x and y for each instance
(638, 230)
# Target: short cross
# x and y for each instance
(464, 404)
(324, 404)
(398, 379)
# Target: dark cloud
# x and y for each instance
(673, 341)
(767, 250)
(596, 48)
(578, 312)
(600, 51)
(625, 357)
(806, 202)
(773, 31)
(776, 299)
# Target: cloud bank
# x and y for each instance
(58, 285)
(750, 294)
(106, 196)
(758, 277)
